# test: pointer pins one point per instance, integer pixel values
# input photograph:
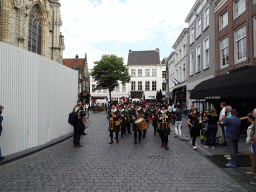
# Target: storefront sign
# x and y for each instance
(213, 97)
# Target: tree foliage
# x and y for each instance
(108, 71)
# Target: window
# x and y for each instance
(206, 53)
(206, 17)
(35, 31)
(133, 86)
(147, 88)
(105, 90)
(191, 63)
(163, 74)
(239, 8)
(198, 32)
(99, 90)
(117, 88)
(153, 72)
(147, 72)
(133, 72)
(93, 87)
(163, 86)
(192, 35)
(139, 72)
(223, 19)
(198, 58)
(123, 87)
(153, 85)
(139, 85)
(224, 52)
(240, 44)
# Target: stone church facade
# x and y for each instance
(33, 25)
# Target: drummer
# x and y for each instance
(113, 116)
(136, 114)
(146, 114)
(163, 117)
(154, 115)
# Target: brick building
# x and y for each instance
(33, 26)
(81, 65)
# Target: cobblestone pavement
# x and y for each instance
(118, 167)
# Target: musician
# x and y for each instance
(163, 117)
(154, 115)
(146, 114)
(136, 114)
(127, 108)
(113, 116)
(123, 115)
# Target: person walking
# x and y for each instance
(1, 129)
(127, 108)
(193, 123)
(113, 116)
(178, 121)
(78, 128)
(222, 139)
(136, 114)
(153, 115)
(124, 120)
(232, 135)
(212, 128)
(86, 106)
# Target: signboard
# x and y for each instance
(213, 97)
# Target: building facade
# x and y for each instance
(33, 26)
(177, 74)
(148, 76)
(170, 81)
(201, 48)
(81, 65)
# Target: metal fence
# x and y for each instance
(38, 95)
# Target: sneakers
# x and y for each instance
(251, 173)
(206, 147)
(162, 146)
(117, 142)
(253, 183)
(175, 136)
(166, 147)
(134, 143)
(110, 142)
(226, 155)
(230, 165)
(194, 147)
(228, 158)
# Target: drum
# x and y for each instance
(141, 124)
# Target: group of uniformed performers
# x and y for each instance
(120, 120)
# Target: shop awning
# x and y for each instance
(239, 84)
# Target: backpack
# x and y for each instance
(73, 118)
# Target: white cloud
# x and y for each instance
(85, 23)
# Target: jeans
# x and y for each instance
(178, 128)
(254, 151)
(211, 133)
(231, 143)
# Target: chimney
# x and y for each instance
(130, 51)
(157, 49)
(76, 56)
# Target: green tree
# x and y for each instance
(108, 71)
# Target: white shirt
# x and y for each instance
(222, 113)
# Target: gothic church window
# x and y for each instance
(35, 31)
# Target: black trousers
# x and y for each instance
(193, 136)
(225, 139)
(164, 139)
(76, 136)
(135, 135)
(155, 126)
(123, 132)
(144, 132)
(128, 127)
(111, 135)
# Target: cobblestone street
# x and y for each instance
(98, 166)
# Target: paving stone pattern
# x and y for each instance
(99, 166)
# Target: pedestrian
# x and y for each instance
(163, 116)
(146, 114)
(221, 134)
(113, 116)
(212, 128)
(124, 120)
(178, 121)
(1, 129)
(87, 107)
(79, 125)
(253, 139)
(191, 109)
(127, 108)
(153, 115)
(251, 120)
(232, 136)
(193, 123)
(136, 114)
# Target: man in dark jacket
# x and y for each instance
(1, 120)
(232, 136)
(78, 129)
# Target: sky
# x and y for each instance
(98, 27)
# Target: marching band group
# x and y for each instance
(139, 116)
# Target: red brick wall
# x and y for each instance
(247, 18)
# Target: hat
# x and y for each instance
(112, 104)
(158, 104)
(143, 105)
(125, 103)
(1, 107)
(163, 106)
(121, 106)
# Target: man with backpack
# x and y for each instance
(75, 119)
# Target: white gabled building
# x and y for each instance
(147, 77)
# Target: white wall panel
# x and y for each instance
(37, 94)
